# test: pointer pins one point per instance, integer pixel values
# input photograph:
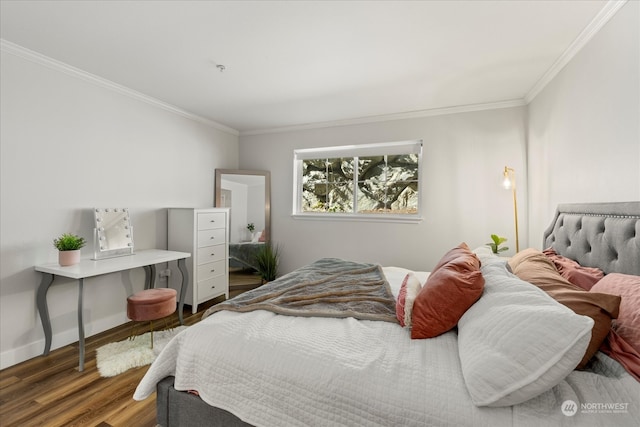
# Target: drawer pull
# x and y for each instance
(213, 270)
(212, 238)
(212, 255)
(213, 287)
(213, 220)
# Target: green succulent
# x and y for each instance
(69, 242)
(495, 245)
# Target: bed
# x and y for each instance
(243, 255)
(267, 369)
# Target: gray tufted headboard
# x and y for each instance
(602, 235)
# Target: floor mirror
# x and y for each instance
(248, 195)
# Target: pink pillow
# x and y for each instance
(262, 237)
(627, 325)
(534, 267)
(618, 349)
(455, 285)
(584, 277)
(408, 293)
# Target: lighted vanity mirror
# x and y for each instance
(113, 233)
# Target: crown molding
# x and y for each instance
(38, 58)
(583, 38)
(607, 12)
(388, 117)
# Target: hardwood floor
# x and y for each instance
(49, 390)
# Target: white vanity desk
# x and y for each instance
(91, 268)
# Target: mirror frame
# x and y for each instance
(101, 235)
(267, 193)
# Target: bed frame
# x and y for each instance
(603, 235)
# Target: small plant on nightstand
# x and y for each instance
(495, 245)
(251, 227)
(68, 246)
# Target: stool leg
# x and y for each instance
(152, 334)
(132, 336)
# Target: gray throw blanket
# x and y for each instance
(329, 287)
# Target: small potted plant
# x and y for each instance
(495, 245)
(250, 228)
(267, 260)
(68, 246)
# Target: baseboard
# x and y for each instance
(20, 354)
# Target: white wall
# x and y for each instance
(463, 158)
(238, 221)
(68, 145)
(584, 127)
(255, 206)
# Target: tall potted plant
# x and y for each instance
(68, 246)
(267, 259)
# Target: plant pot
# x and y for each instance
(67, 258)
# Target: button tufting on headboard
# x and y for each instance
(603, 235)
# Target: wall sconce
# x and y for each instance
(509, 183)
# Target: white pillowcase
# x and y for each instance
(486, 256)
(409, 290)
(517, 342)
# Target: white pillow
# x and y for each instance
(409, 290)
(517, 342)
(486, 256)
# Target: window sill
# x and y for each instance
(359, 218)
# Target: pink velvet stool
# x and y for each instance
(151, 304)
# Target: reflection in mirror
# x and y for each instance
(113, 233)
(247, 194)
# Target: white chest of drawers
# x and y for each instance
(205, 234)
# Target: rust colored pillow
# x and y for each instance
(585, 277)
(627, 325)
(453, 286)
(534, 267)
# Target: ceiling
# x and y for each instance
(294, 63)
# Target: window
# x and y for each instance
(376, 181)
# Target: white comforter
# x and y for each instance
(275, 370)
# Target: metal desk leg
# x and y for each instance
(152, 278)
(80, 325)
(149, 276)
(182, 266)
(43, 309)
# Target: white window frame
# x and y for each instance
(363, 150)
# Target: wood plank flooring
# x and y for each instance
(49, 390)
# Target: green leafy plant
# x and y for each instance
(495, 245)
(251, 227)
(267, 260)
(69, 242)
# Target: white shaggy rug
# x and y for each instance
(118, 357)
